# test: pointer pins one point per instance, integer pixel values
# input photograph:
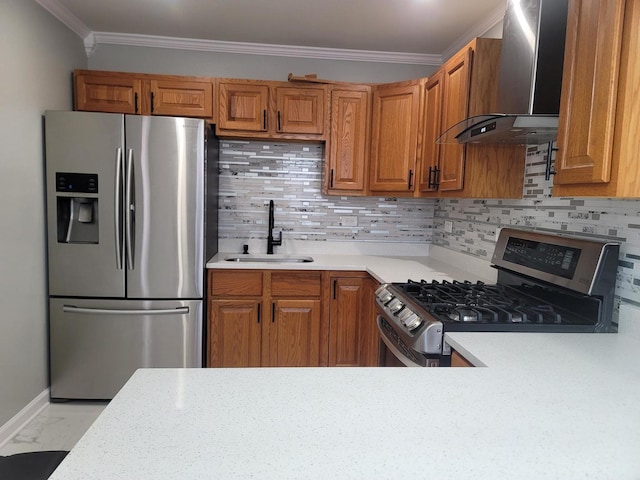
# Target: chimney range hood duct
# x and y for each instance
(530, 79)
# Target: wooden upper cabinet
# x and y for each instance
(265, 109)
(590, 91)
(144, 94)
(467, 86)
(300, 110)
(455, 108)
(181, 98)
(348, 143)
(107, 93)
(429, 166)
(243, 106)
(396, 114)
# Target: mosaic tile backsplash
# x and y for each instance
(252, 173)
(290, 174)
(475, 222)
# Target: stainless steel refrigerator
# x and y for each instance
(126, 247)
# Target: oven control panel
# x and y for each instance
(583, 265)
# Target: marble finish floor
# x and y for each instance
(57, 427)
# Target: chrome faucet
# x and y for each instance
(270, 240)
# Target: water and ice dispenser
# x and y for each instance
(77, 207)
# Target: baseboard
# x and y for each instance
(23, 417)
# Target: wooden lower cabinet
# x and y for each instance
(458, 360)
(268, 318)
(294, 334)
(235, 333)
(353, 338)
(291, 318)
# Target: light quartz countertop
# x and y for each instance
(385, 269)
(542, 406)
(546, 406)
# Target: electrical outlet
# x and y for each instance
(448, 226)
(350, 221)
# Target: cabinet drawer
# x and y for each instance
(296, 284)
(235, 282)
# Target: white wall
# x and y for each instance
(37, 54)
(183, 62)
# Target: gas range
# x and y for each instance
(546, 283)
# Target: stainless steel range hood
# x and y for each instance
(530, 79)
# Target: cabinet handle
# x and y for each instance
(548, 171)
(436, 177)
(273, 313)
(264, 119)
(278, 121)
(152, 97)
(430, 182)
(259, 313)
(135, 102)
(410, 178)
(331, 179)
(335, 288)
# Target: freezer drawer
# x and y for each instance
(96, 345)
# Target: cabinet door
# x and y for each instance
(294, 333)
(394, 138)
(589, 91)
(353, 338)
(108, 93)
(455, 108)
(345, 322)
(243, 106)
(349, 140)
(458, 360)
(300, 110)
(181, 98)
(430, 158)
(235, 333)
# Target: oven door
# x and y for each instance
(400, 350)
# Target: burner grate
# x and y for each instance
(478, 302)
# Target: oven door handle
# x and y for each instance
(395, 350)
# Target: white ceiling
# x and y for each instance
(426, 30)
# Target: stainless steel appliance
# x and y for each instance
(126, 247)
(546, 283)
(529, 78)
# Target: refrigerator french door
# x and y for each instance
(125, 220)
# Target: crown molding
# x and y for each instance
(479, 29)
(265, 49)
(61, 12)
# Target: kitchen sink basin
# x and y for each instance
(269, 259)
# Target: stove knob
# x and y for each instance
(385, 297)
(404, 314)
(395, 305)
(383, 294)
(414, 321)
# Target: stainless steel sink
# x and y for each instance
(269, 259)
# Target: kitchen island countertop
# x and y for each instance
(546, 406)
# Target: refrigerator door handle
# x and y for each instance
(107, 311)
(130, 209)
(118, 209)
